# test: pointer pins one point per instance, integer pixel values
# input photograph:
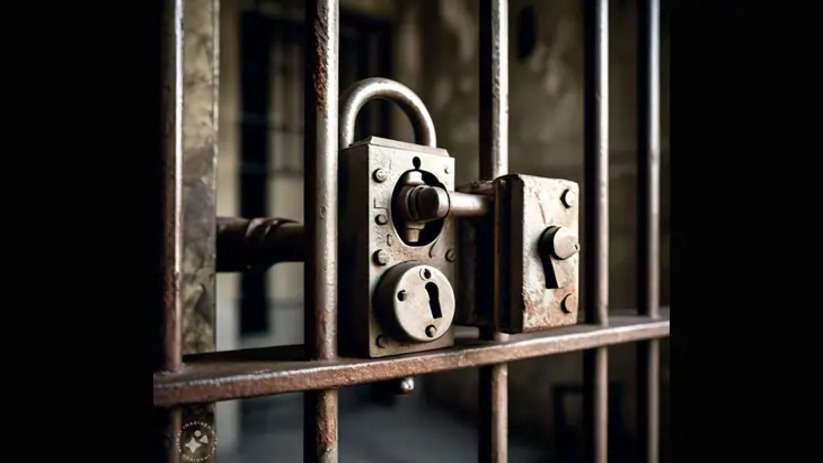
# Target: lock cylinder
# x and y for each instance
(416, 302)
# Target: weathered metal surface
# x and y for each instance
(322, 45)
(493, 121)
(365, 90)
(425, 203)
(648, 222)
(199, 143)
(596, 208)
(529, 284)
(494, 88)
(371, 248)
(475, 263)
(253, 245)
(172, 166)
(254, 372)
(415, 301)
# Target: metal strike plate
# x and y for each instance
(370, 244)
(536, 253)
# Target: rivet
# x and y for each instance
(425, 274)
(451, 255)
(569, 302)
(569, 199)
(381, 219)
(431, 331)
(381, 257)
(381, 341)
(380, 175)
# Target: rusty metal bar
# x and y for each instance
(255, 372)
(170, 358)
(494, 161)
(596, 193)
(321, 88)
(256, 244)
(648, 226)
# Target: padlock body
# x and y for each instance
(370, 244)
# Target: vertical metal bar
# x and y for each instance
(648, 226)
(321, 156)
(494, 88)
(170, 355)
(494, 162)
(596, 249)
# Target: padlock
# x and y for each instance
(396, 291)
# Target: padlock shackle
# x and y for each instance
(365, 90)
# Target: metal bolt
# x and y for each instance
(431, 331)
(568, 303)
(561, 241)
(406, 385)
(381, 341)
(569, 198)
(381, 257)
(381, 219)
(380, 175)
(451, 255)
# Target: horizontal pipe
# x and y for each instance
(257, 372)
(469, 205)
(256, 244)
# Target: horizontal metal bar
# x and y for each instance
(469, 205)
(256, 244)
(256, 372)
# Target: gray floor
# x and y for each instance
(407, 431)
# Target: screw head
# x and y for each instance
(451, 255)
(425, 274)
(381, 257)
(431, 330)
(380, 175)
(380, 341)
(401, 296)
(446, 169)
(381, 219)
(569, 303)
(569, 198)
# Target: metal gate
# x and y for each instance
(197, 243)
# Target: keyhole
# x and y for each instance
(434, 299)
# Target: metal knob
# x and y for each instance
(561, 242)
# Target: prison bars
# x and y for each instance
(322, 50)
(221, 376)
(596, 209)
(493, 144)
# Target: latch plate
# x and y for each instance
(526, 298)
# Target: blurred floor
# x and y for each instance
(408, 431)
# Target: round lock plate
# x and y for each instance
(416, 301)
